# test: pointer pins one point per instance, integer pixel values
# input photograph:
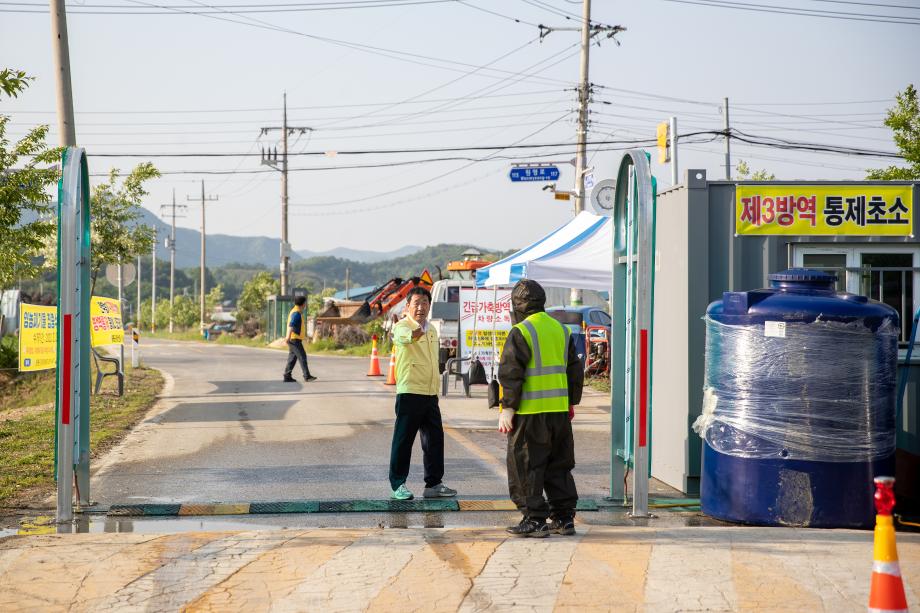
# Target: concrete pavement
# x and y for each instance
(227, 429)
(603, 568)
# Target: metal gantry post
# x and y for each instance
(72, 399)
(633, 299)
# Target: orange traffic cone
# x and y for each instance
(374, 370)
(391, 371)
(886, 593)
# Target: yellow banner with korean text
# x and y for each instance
(37, 337)
(105, 321)
(824, 210)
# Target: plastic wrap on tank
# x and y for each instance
(825, 391)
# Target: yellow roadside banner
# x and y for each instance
(37, 337)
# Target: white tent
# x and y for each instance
(579, 254)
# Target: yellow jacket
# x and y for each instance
(416, 359)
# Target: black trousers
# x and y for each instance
(541, 456)
(296, 352)
(416, 413)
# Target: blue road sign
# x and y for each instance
(537, 173)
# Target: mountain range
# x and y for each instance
(224, 249)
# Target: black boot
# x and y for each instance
(289, 379)
(534, 528)
(562, 525)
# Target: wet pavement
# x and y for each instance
(227, 429)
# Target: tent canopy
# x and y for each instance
(578, 254)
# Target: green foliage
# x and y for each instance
(316, 270)
(117, 235)
(14, 82)
(162, 314)
(186, 312)
(9, 352)
(743, 172)
(213, 298)
(904, 120)
(315, 300)
(251, 303)
(26, 175)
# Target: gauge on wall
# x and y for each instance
(602, 197)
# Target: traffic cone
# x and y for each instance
(886, 593)
(374, 370)
(391, 371)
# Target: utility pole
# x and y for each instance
(728, 150)
(202, 284)
(171, 244)
(61, 56)
(271, 159)
(347, 271)
(674, 169)
(137, 317)
(153, 287)
(588, 32)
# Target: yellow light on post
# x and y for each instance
(664, 151)
(562, 195)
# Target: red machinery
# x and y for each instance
(392, 293)
(597, 351)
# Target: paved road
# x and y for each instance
(228, 429)
(603, 568)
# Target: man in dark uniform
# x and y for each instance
(541, 377)
(297, 332)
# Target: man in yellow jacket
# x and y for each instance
(417, 408)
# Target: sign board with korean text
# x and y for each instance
(536, 173)
(37, 337)
(485, 321)
(105, 322)
(824, 210)
(38, 331)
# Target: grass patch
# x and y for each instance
(330, 347)
(194, 335)
(26, 390)
(600, 384)
(27, 434)
(326, 346)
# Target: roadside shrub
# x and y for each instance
(9, 352)
(350, 336)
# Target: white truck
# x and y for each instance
(445, 315)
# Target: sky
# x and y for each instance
(368, 76)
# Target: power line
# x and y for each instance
(293, 108)
(90, 9)
(405, 56)
(789, 10)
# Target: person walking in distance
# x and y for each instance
(296, 332)
(542, 378)
(417, 408)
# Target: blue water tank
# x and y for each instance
(799, 403)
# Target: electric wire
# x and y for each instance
(784, 10)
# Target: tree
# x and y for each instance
(315, 301)
(185, 311)
(26, 213)
(904, 121)
(743, 171)
(116, 234)
(162, 314)
(213, 298)
(251, 303)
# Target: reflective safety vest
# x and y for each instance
(303, 326)
(546, 387)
